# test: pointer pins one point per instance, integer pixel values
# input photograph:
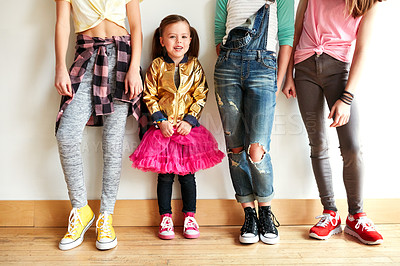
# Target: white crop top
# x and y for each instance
(90, 13)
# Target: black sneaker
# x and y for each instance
(249, 231)
(268, 223)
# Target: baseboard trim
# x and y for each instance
(213, 212)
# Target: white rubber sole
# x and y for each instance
(269, 240)
(335, 231)
(106, 245)
(349, 231)
(77, 242)
(249, 240)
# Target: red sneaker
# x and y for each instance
(190, 226)
(166, 230)
(327, 226)
(359, 226)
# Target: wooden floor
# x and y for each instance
(216, 245)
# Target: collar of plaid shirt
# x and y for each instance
(85, 47)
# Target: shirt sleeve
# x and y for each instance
(220, 20)
(150, 91)
(285, 13)
(200, 92)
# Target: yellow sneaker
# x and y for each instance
(80, 220)
(106, 238)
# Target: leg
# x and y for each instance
(311, 104)
(229, 96)
(164, 192)
(260, 101)
(113, 140)
(69, 138)
(188, 191)
(259, 108)
(348, 135)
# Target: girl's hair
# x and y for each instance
(357, 8)
(158, 50)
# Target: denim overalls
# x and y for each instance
(245, 87)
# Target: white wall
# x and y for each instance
(29, 163)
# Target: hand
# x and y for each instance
(167, 129)
(183, 128)
(133, 83)
(62, 82)
(340, 113)
(289, 89)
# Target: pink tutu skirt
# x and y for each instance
(178, 154)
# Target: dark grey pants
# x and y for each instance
(317, 79)
(69, 137)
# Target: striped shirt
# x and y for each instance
(233, 13)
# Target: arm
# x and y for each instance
(285, 13)
(150, 92)
(199, 96)
(133, 81)
(62, 80)
(340, 111)
(220, 22)
(289, 89)
(150, 98)
(283, 60)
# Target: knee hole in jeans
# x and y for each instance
(256, 152)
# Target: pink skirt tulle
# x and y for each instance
(178, 154)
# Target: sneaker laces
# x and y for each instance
(365, 223)
(326, 218)
(73, 220)
(166, 224)
(190, 223)
(104, 227)
(250, 222)
(266, 217)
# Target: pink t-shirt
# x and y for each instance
(327, 28)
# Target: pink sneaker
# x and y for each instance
(166, 230)
(327, 226)
(190, 226)
(359, 226)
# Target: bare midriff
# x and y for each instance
(105, 29)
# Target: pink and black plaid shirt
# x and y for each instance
(103, 101)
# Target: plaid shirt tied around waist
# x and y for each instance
(103, 100)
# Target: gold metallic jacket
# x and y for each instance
(162, 97)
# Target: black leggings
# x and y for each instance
(164, 192)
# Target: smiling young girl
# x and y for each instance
(175, 94)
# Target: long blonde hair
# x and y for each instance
(357, 8)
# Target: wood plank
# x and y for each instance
(16, 212)
(216, 246)
(210, 212)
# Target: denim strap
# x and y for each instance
(247, 33)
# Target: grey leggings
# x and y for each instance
(69, 137)
(319, 78)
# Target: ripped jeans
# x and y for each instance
(245, 86)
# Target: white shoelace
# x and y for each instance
(167, 224)
(73, 220)
(189, 223)
(366, 224)
(326, 219)
(104, 228)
